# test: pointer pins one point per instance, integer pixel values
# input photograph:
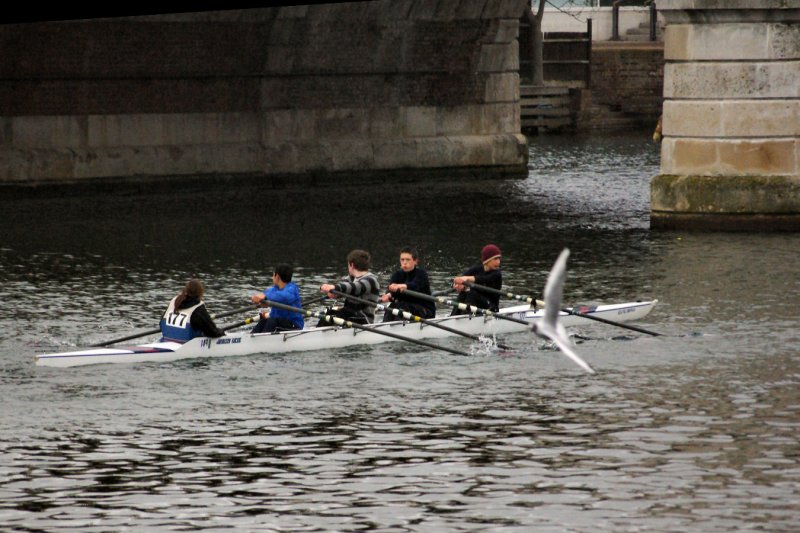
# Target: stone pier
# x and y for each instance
(730, 155)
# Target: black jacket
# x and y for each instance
(201, 320)
(416, 280)
(483, 299)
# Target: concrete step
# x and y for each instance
(545, 108)
(642, 32)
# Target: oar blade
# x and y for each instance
(549, 327)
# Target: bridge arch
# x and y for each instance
(296, 92)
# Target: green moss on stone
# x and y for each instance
(725, 194)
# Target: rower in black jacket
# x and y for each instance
(411, 277)
(487, 273)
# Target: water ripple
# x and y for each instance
(693, 430)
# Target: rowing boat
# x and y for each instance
(331, 337)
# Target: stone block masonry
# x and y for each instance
(302, 92)
(629, 77)
(730, 155)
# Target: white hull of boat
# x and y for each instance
(331, 337)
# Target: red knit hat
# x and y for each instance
(489, 252)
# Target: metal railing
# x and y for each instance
(653, 15)
(652, 20)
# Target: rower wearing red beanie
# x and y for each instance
(487, 273)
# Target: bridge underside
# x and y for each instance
(305, 92)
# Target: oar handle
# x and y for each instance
(242, 323)
(250, 320)
(443, 300)
(357, 299)
(443, 292)
(509, 295)
(465, 307)
(315, 300)
(234, 312)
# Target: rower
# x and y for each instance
(285, 291)
(410, 276)
(186, 316)
(360, 282)
(486, 273)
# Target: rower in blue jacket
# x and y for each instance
(283, 291)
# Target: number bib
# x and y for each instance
(176, 325)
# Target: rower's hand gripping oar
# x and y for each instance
(256, 318)
(414, 318)
(549, 327)
(346, 323)
(567, 310)
(158, 330)
(510, 295)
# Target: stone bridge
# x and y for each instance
(291, 93)
(730, 158)
(388, 88)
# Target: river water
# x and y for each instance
(693, 430)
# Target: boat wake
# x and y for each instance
(484, 346)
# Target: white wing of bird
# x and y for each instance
(549, 327)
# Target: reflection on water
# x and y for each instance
(693, 430)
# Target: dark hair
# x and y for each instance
(194, 288)
(409, 250)
(284, 272)
(359, 258)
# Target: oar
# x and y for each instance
(465, 307)
(443, 292)
(349, 324)
(158, 330)
(548, 327)
(509, 295)
(310, 302)
(242, 323)
(414, 318)
(257, 317)
(315, 300)
(567, 310)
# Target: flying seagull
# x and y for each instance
(549, 327)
